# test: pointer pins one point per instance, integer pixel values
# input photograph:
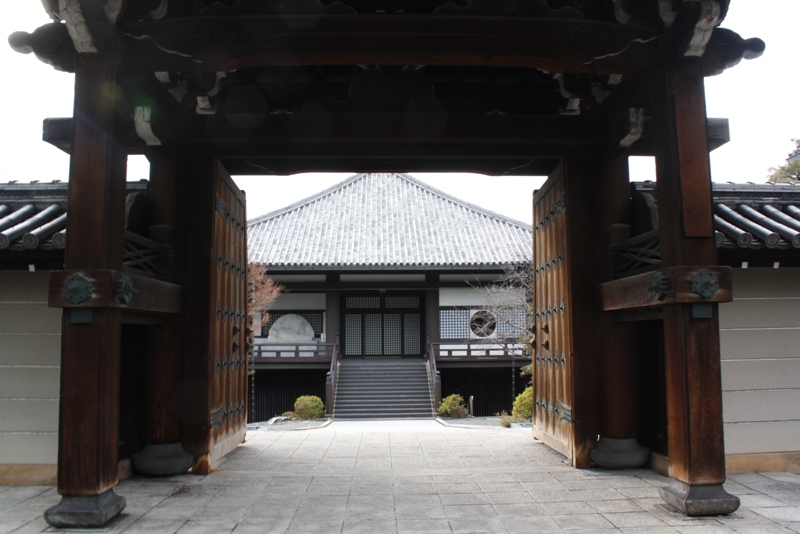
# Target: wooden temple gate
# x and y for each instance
(565, 88)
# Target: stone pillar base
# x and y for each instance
(162, 459)
(85, 511)
(710, 499)
(619, 453)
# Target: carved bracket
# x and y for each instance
(50, 44)
(142, 123)
(726, 49)
(91, 25)
(636, 118)
(694, 25)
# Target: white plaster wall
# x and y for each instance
(382, 278)
(760, 350)
(481, 297)
(299, 301)
(461, 296)
(30, 354)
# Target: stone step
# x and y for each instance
(405, 404)
(409, 415)
(370, 387)
(381, 389)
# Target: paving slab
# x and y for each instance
(411, 476)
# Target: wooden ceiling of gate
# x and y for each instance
(492, 86)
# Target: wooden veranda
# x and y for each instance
(566, 88)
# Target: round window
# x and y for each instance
(482, 323)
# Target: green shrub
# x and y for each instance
(448, 403)
(309, 407)
(523, 405)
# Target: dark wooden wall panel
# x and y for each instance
(276, 391)
(494, 388)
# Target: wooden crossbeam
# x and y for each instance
(149, 295)
(634, 291)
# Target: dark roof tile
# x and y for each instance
(385, 221)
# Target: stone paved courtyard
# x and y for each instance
(411, 476)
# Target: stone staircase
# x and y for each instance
(382, 389)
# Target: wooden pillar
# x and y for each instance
(691, 334)
(198, 175)
(615, 341)
(163, 373)
(90, 343)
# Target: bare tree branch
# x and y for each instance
(508, 298)
(262, 291)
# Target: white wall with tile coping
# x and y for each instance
(30, 355)
(760, 351)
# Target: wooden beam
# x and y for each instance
(718, 134)
(310, 142)
(521, 166)
(546, 134)
(148, 294)
(231, 42)
(635, 292)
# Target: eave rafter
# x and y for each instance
(554, 36)
(190, 60)
(566, 45)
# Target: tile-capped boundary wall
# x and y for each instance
(760, 351)
(30, 352)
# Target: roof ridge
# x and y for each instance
(407, 177)
(469, 205)
(308, 200)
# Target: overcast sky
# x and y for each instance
(759, 97)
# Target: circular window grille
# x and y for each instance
(482, 323)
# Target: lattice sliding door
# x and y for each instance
(383, 325)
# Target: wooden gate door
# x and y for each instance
(228, 289)
(217, 359)
(552, 376)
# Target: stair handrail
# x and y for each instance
(331, 378)
(434, 378)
